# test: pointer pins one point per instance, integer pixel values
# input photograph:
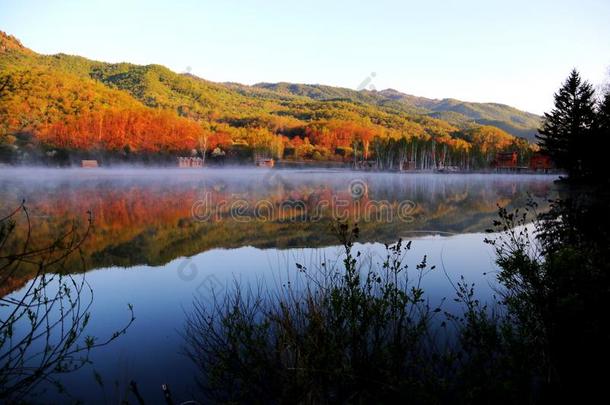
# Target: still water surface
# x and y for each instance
(162, 238)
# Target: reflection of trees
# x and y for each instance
(42, 327)
(139, 222)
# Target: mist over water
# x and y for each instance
(152, 246)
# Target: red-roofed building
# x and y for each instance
(505, 160)
(541, 162)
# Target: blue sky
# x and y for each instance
(513, 52)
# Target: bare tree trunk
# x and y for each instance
(203, 146)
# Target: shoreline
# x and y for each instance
(283, 165)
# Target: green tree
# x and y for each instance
(602, 134)
(603, 114)
(566, 131)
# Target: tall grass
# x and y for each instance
(357, 333)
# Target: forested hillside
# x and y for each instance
(460, 113)
(53, 107)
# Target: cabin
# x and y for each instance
(448, 169)
(264, 163)
(190, 162)
(541, 162)
(89, 164)
(505, 160)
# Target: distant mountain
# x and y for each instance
(510, 119)
(459, 113)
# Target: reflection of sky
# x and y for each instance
(149, 353)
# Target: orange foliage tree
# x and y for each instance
(140, 130)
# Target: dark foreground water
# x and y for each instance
(163, 238)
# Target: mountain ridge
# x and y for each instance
(434, 105)
(73, 102)
(464, 113)
(510, 119)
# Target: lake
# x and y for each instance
(164, 237)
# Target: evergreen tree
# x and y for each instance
(603, 114)
(602, 134)
(567, 130)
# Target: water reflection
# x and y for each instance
(148, 249)
(154, 216)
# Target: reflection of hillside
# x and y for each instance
(150, 222)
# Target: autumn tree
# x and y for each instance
(142, 130)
